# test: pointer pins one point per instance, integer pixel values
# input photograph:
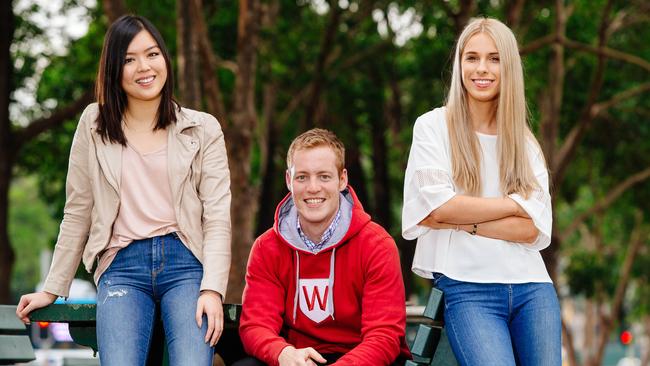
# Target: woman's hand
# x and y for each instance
(211, 305)
(31, 302)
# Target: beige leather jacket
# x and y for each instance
(200, 185)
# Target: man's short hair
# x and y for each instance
(317, 137)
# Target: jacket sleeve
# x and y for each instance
(75, 226)
(383, 314)
(214, 193)
(428, 182)
(263, 307)
(538, 204)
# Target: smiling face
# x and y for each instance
(481, 69)
(145, 71)
(315, 182)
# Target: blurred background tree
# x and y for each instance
(364, 69)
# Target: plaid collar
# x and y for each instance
(327, 235)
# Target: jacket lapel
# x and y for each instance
(109, 156)
(182, 147)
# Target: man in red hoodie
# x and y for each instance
(323, 286)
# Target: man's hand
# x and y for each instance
(210, 304)
(31, 302)
(290, 356)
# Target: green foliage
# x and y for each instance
(590, 272)
(66, 78)
(32, 230)
(357, 98)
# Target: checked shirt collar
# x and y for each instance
(327, 235)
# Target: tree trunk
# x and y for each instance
(189, 84)
(240, 138)
(381, 182)
(393, 113)
(7, 255)
(550, 106)
(272, 174)
(356, 178)
(272, 183)
(460, 18)
(6, 148)
(271, 171)
(114, 9)
(310, 119)
(209, 65)
(514, 11)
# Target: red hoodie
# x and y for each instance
(365, 318)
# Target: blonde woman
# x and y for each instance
(476, 198)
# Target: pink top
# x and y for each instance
(146, 208)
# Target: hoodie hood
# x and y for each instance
(353, 219)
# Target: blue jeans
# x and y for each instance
(151, 275)
(502, 324)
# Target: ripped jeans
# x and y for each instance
(151, 276)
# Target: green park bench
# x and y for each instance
(81, 322)
(431, 345)
(15, 345)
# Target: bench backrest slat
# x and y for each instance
(15, 345)
(9, 323)
(15, 348)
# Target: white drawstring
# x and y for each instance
(330, 299)
(295, 297)
(330, 280)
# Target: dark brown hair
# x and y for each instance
(108, 87)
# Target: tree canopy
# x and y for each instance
(366, 69)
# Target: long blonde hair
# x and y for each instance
(515, 172)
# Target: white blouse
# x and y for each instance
(457, 254)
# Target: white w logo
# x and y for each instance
(313, 298)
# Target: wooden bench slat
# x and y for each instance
(425, 341)
(9, 323)
(82, 325)
(15, 348)
(81, 362)
(15, 345)
(65, 313)
(435, 305)
(413, 363)
(431, 345)
(83, 313)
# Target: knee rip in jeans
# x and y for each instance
(116, 293)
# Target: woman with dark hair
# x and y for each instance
(476, 198)
(148, 207)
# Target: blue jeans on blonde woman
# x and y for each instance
(502, 324)
(150, 275)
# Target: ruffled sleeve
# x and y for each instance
(428, 180)
(538, 204)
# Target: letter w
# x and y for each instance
(315, 293)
